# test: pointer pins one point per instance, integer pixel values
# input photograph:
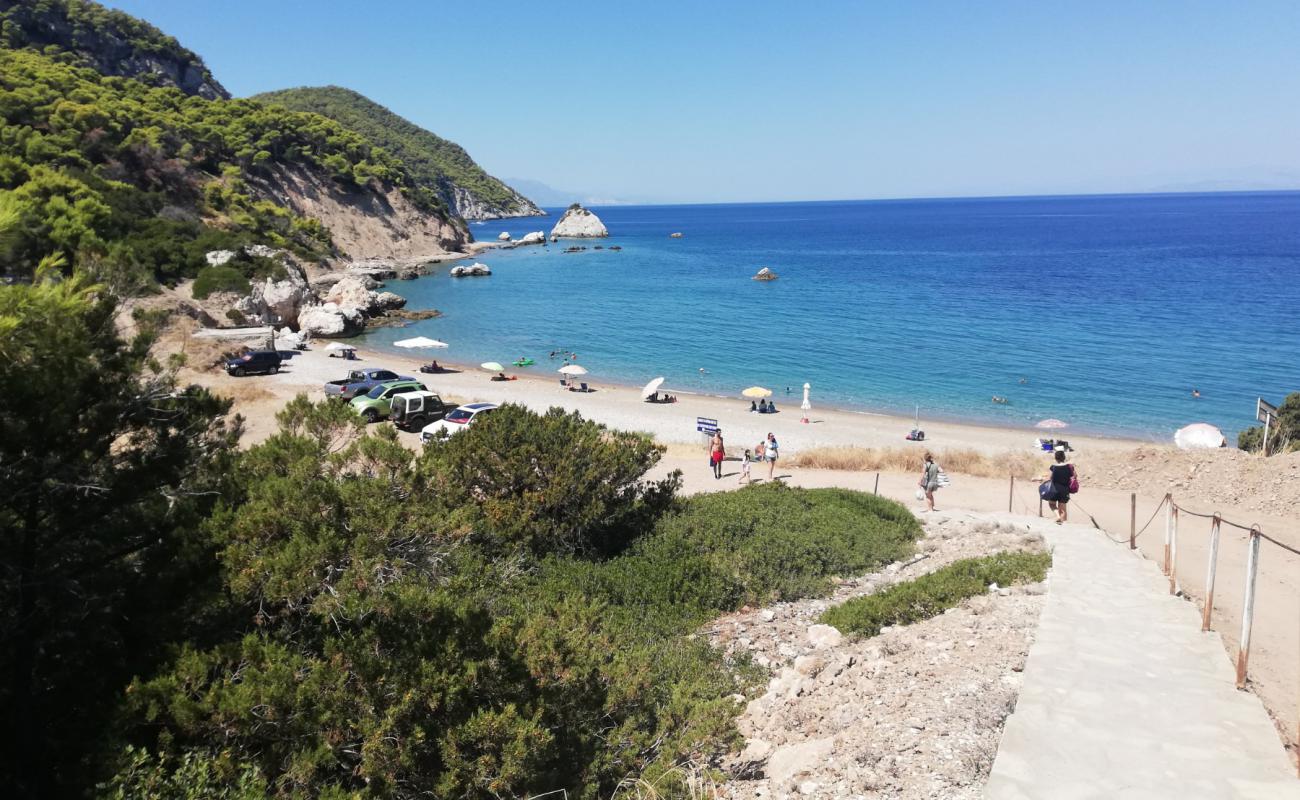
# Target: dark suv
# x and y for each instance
(254, 361)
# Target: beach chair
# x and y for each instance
(584, 388)
(564, 383)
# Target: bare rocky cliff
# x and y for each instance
(371, 223)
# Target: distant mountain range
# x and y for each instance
(545, 195)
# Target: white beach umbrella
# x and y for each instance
(652, 387)
(805, 405)
(492, 366)
(1050, 424)
(573, 369)
(420, 341)
(339, 346)
(1199, 435)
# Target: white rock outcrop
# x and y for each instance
(275, 302)
(330, 320)
(504, 237)
(216, 258)
(536, 237)
(351, 292)
(765, 274)
(579, 223)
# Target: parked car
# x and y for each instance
(413, 410)
(360, 381)
(266, 361)
(455, 421)
(377, 403)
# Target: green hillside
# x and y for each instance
(432, 160)
(140, 181)
(106, 40)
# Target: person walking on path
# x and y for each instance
(744, 468)
(717, 452)
(770, 451)
(1065, 482)
(929, 480)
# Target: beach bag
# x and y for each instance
(1047, 490)
(920, 494)
(1074, 481)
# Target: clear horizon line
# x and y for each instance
(1294, 190)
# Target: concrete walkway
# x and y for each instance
(1124, 697)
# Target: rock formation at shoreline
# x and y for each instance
(579, 223)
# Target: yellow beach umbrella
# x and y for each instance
(757, 391)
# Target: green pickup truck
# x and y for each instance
(377, 403)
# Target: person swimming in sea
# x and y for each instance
(1196, 392)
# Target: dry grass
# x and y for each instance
(897, 459)
(689, 781)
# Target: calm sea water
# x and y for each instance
(1103, 311)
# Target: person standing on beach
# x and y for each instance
(717, 452)
(1064, 483)
(770, 452)
(929, 480)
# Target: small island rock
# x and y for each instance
(536, 237)
(505, 237)
(765, 274)
(579, 223)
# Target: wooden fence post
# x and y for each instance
(1209, 573)
(1132, 520)
(1011, 493)
(877, 489)
(1173, 560)
(1168, 522)
(1248, 609)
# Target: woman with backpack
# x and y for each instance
(1065, 482)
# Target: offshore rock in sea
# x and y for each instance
(504, 237)
(536, 237)
(579, 223)
(765, 274)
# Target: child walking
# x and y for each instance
(744, 467)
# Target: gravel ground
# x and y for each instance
(915, 712)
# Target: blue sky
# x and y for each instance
(736, 101)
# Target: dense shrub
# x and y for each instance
(219, 279)
(717, 552)
(553, 483)
(775, 542)
(109, 468)
(930, 595)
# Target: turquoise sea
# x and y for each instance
(1103, 311)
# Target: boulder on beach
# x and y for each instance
(579, 223)
(765, 274)
(330, 321)
(505, 237)
(536, 237)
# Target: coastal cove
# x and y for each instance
(1110, 309)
